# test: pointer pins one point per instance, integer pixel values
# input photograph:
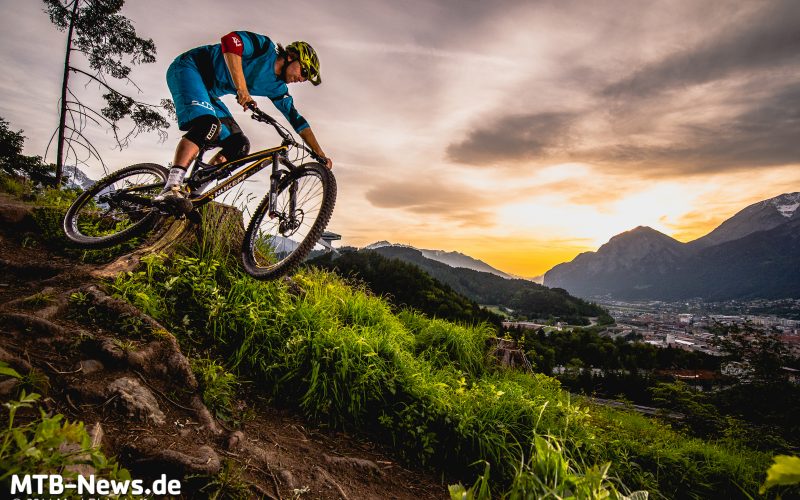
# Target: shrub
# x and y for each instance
(49, 445)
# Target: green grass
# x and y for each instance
(424, 386)
(16, 186)
(49, 207)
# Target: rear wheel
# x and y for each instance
(117, 207)
(276, 243)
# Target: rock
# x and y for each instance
(48, 312)
(13, 214)
(287, 478)
(92, 366)
(33, 325)
(111, 351)
(7, 386)
(14, 362)
(235, 440)
(136, 400)
(205, 417)
(149, 442)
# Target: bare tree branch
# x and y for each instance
(110, 44)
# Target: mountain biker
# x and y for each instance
(243, 63)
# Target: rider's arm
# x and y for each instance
(308, 135)
(285, 105)
(232, 48)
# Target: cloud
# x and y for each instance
(766, 38)
(725, 103)
(763, 135)
(460, 205)
(514, 138)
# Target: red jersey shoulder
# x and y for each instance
(232, 43)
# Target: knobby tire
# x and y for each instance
(286, 264)
(71, 223)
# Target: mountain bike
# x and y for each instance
(283, 230)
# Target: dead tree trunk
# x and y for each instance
(62, 123)
(219, 232)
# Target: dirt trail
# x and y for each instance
(138, 397)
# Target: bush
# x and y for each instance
(49, 445)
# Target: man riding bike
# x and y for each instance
(243, 63)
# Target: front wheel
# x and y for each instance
(117, 207)
(275, 243)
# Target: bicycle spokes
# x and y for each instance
(116, 207)
(291, 219)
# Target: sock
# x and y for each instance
(176, 175)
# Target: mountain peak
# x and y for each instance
(378, 244)
(640, 234)
(760, 216)
(786, 204)
(752, 254)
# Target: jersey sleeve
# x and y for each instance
(253, 44)
(285, 105)
(232, 44)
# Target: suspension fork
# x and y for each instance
(274, 180)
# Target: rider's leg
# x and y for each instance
(196, 116)
(185, 153)
(202, 131)
(235, 145)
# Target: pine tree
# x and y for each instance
(110, 44)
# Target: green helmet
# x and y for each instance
(308, 60)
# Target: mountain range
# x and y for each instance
(754, 254)
(526, 298)
(452, 259)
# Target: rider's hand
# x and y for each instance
(329, 163)
(244, 99)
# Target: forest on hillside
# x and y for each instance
(522, 298)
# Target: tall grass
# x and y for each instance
(426, 386)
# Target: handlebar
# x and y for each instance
(287, 137)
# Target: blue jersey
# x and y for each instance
(259, 54)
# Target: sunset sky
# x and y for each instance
(518, 132)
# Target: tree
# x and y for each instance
(109, 43)
(762, 353)
(13, 162)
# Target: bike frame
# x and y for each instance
(203, 173)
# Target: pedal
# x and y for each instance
(178, 207)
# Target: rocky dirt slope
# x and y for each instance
(101, 361)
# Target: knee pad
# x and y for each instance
(203, 131)
(235, 146)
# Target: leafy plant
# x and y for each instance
(227, 484)
(785, 471)
(49, 445)
(218, 386)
